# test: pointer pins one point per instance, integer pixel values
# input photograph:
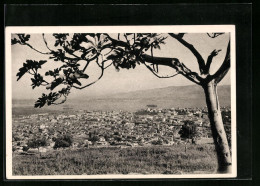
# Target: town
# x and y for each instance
(93, 129)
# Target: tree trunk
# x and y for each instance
(217, 128)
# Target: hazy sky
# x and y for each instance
(125, 80)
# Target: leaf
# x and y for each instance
(27, 37)
(46, 99)
(56, 82)
(65, 91)
(85, 76)
(29, 65)
(37, 80)
(41, 101)
(56, 43)
(41, 62)
(76, 81)
(14, 41)
(23, 38)
(21, 72)
(111, 57)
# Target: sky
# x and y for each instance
(125, 80)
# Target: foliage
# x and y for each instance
(70, 49)
(25, 148)
(152, 160)
(63, 141)
(94, 138)
(118, 138)
(126, 50)
(189, 130)
(37, 142)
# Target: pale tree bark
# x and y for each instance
(217, 128)
(204, 79)
(209, 84)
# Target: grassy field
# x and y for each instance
(139, 160)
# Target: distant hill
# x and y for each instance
(174, 96)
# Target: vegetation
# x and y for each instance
(63, 141)
(37, 143)
(93, 137)
(189, 130)
(125, 51)
(140, 160)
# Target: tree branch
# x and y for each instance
(85, 67)
(108, 65)
(200, 60)
(223, 69)
(159, 60)
(35, 49)
(63, 101)
(45, 42)
(118, 42)
(209, 60)
(101, 75)
(222, 75)
(157, 75)
(173, 63)
(214, 35)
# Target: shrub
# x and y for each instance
(25, 148)
(118, 138)
(37, 142)
(63, 141)
(189, 130)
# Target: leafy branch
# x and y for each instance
(124, 51)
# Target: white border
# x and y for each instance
(117, 29)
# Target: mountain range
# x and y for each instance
(168, 97)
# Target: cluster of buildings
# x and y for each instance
(109, 128)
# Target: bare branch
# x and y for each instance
(35, 49)
(100, 66)
(200, 60)
(108, 65)
(223, 69)
(214, 35)
(157, 75)
(222, 75)
(176, 64)
(181, 35)
(85, 67)
(209, 60)
(46, 42)
(126, 39)
(158, 60)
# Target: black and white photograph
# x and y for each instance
(97, 102)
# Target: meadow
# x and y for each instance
(132, 160)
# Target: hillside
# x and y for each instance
(174, 96)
